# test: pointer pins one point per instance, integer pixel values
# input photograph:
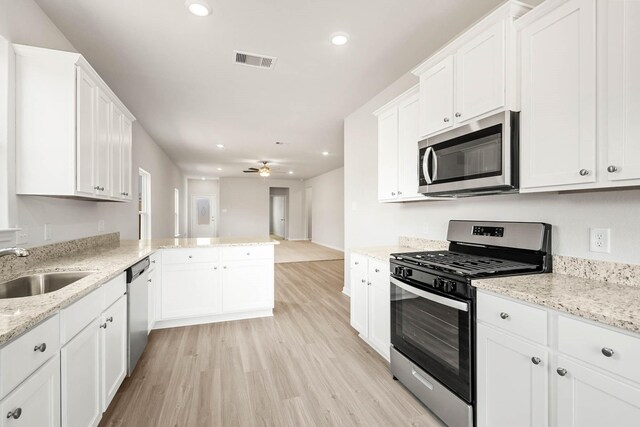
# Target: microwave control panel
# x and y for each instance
(480, 230)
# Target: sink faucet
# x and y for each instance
(19, 252)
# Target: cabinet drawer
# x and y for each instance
(514, 317)
(241, 253)
(594, 345)
(113, 290)
(189, 256)
(358, 262)
(78, 315)
(19, 358)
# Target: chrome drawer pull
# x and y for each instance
(536, 360)
(103, 326)
(561, 371)
(15, 414)
(110, 319)
(41, 348)
(504, 315)
(607, 352)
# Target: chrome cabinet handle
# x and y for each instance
(190, 256)
(377, 270)
(399, 193)
(356, 262)
(458, 114)
(149, 280)
(15, 414)
(368, 283)
(248, 253)
(607, 352)
(561, 371)
(109, 319)
(153, 261)
(584, 172)
(612, 169)
(215, 268)
(363, 281)
(224, 267)
(446, 119)
(41, 348)
(103, 326)
(393, 193)
(536, 360)
(504, 315)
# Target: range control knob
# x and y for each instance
(449, 286)
(407, 272)
(397, 271)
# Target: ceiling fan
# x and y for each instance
(264, 170)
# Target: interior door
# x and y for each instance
(203, 216)
(278, 215)
(436, 98)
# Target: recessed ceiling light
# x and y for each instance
(219, 169)
(203, 178)
(339, 38)
(220, 145)
(325, 153)
(290, 172)
(198, 7)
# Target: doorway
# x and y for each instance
(203, 215)
(279, 213)
(308, 212)
(144, 204)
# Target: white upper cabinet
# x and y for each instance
(388, 155)
(473, 76)
(408, 112)
(436, 98)
(558, 118)
(623, 90)
(73, 135)
(480, 74)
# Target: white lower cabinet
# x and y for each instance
(513, 380)
(35, 402)
(584, 378)
(113, 360)
(190, 290)
(370, 302)
(247, 286)
(80, 370)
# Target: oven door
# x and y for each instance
(434, 332)
(475, 157)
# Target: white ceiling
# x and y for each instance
(176, 73)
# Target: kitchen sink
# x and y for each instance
(37, 284)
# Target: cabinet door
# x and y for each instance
(85, 136)
(623, 69)
(436, 98)
(512, 385)
(126, 142)
(114, 349)
(115, 150)
(101, 160)
(247, 286)
(190, 290)
(388, 155)
(379, 306)
(151, 310)
(480, 74)
(36, 402)
(586, 398)
(558, 120)
(408, 116)
(360, 302)
(80, 370)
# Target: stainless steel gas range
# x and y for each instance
(433, 308)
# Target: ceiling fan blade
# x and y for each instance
(253, 169)
(250, 171)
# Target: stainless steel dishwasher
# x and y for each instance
(137, 307)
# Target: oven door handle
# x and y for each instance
(458, 305)
(425, 165)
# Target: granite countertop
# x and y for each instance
(610, 303)
(17, 315)
(382, 253)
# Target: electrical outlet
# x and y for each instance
(22, 235)
(101, 226)
(47, 232)
(600, 240)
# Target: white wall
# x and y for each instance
(244, 206)
(369, 223)
(200, 187)
(24, 22)
(327, 208)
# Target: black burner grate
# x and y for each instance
(464, 263)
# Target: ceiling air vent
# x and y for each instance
(253, 60)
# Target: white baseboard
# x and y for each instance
(328, 246)
(190, 321)
(346, 291)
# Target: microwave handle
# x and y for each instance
(434, 162)
(425, 165)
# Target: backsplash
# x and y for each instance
(11, 264)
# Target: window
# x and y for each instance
(176, 212)
(144, 205)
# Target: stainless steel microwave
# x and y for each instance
(478, 158)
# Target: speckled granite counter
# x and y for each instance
(382, 253)
(107, 261)
(406, 244)
(610, 303)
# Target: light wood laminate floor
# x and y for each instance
(303, 367)
(303, 251)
